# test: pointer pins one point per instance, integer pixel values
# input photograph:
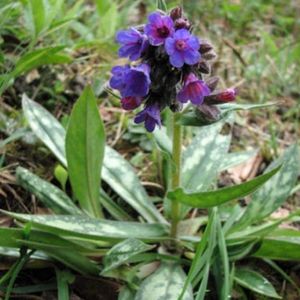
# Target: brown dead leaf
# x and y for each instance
(245, 171)
(31, 76)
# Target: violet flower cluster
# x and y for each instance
(167, 67)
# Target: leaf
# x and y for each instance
(281, 244)
(203, 256)
(113, 208)
(46, 128)
(88, 228)
(161, 4)
(218, 197)
(64, 278)
(39, 14)
(191, 119)
(251, 233)
(228, 107)
(102, 6)
(276, 190)
(162, 140)
(48, 194)
(19, 133)
(85, 142)
(255, 282)
(62, 250)
(223, 267)
(35, 16)
(116, 171)
(40, 57)
(122, 252)
(110, 16)
(119, 174)
(204, 154)
(236, 158)
(165, 283)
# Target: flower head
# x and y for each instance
(133, 43)
(150, 115)
(194, 90)
(130, 103)
(159, 28)
(169, 56)
(183, 48)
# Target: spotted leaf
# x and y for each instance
(94, 229)
(123, 251)
(165, 283)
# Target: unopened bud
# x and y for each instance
(176, 106)
(205, 47)
(207, 114)
(182, 24)
(228, 95)
(212, 83)
(203, 67)
(176, 13)
(209, 55)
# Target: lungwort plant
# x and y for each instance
(190, 243)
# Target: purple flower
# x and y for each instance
(130, 103)
(137, 81)
(131, 81)
(133, 43)
(159, 28)
(182, 48)
(150, 115)
(194, 90)
(117, 81)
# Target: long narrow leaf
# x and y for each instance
(85, 141)
(46, 128)
(88, 228)
(218, 197)
(48, 194)
(207, 242)
(116, 171)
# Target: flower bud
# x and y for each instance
(205, 47)
(182, 23)
(176, 106)
(209, 55)
(176, 13)
(212, 83)
(207, 114)
(228, 95)
(203, 67)
(131, 103)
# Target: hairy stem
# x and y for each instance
(176, 155)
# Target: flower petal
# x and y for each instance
(191, 57)
(150, 124)
(170, 46)
(177, 59)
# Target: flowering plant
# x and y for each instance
(149, 251)
(167, 69)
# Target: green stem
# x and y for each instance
(176, 155)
